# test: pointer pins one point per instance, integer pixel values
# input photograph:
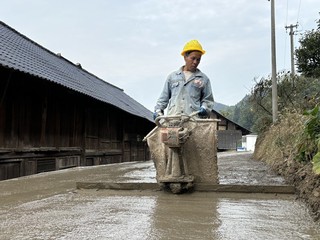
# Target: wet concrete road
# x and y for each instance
(47, 206)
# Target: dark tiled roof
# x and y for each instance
(22, 54)
(243, 130)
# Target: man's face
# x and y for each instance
(192, 61)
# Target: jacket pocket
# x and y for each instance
(195, 92)
(174, 84)
(174, 88)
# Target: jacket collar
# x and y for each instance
(180, 71)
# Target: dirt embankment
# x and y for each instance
(278, 148)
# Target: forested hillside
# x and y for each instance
(219, 106)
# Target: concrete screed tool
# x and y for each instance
(183, 148)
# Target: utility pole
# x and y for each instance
(291, 33)
(274, 66)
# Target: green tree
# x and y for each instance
(236, 113)
(296, 94)
(308, 54)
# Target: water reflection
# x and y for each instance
(187, 216)
(150, 215)
(229, 216)
(262, 216)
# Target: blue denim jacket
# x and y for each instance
(183, 97)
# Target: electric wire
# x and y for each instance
(299, 11)
(298, 16)
(286, 37)
(287, 10)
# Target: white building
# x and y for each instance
(249, 142)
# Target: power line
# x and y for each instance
(287, 12)
(299, 11)
(291, 33)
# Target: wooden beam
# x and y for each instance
(200, 187)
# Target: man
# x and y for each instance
(187, 90)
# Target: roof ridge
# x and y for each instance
(41, 62)
(59, 55)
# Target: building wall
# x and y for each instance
(47, 127)
(228, 139)
(229, 134)
(249, 142)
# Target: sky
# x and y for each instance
(136, 44)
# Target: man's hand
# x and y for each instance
(157, 113)
(202, 112)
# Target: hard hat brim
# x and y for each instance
(191, 50)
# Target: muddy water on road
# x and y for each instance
(47, 206)
(107, 214)
(242, 169)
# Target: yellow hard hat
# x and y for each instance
(192, 45)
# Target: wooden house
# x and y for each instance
(56, 115)
(229, 133)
